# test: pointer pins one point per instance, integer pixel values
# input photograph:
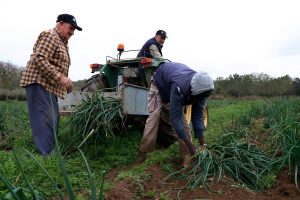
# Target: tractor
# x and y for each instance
(128, 80)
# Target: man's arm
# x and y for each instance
(154, 51)
(197, 117)
(176, 105)
(176, 112)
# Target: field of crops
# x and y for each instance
(250, 142)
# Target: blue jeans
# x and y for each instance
(43, 116)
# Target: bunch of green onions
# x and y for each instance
(97, 117)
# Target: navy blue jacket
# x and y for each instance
(172, 72)
(145, 52)
(173, 82)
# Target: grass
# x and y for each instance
(223, 113)
(27, 164)
(14, 119)
(238, 153)
(245, 119)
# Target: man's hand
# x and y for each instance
(67, 83)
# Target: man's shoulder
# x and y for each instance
(50, 32)
(151, 40)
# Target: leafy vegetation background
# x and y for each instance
(271, 125)
(255, 84)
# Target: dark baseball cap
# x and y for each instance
(161, 33)
(68, 19)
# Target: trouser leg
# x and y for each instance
(182, 146)
(44, 117)
(148, 142)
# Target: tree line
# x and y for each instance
(255, 84)
(10, 76)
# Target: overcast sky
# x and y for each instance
(217, 36)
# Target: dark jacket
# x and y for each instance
(173, 82)
(172, 72)
(145, 52)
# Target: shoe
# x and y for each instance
(141, 157)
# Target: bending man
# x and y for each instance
(178, 85)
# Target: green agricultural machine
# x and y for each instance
(127, 80)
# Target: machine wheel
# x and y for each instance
(188, 115)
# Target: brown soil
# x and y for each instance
(158, 189)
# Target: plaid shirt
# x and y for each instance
(50, 59)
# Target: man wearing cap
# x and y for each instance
(46, 78)
(153, 47)
(178, 85)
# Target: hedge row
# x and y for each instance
(16, 94)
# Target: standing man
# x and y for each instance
(178, 85)
(46, 78)
(152, 48)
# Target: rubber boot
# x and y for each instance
(141, 157)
